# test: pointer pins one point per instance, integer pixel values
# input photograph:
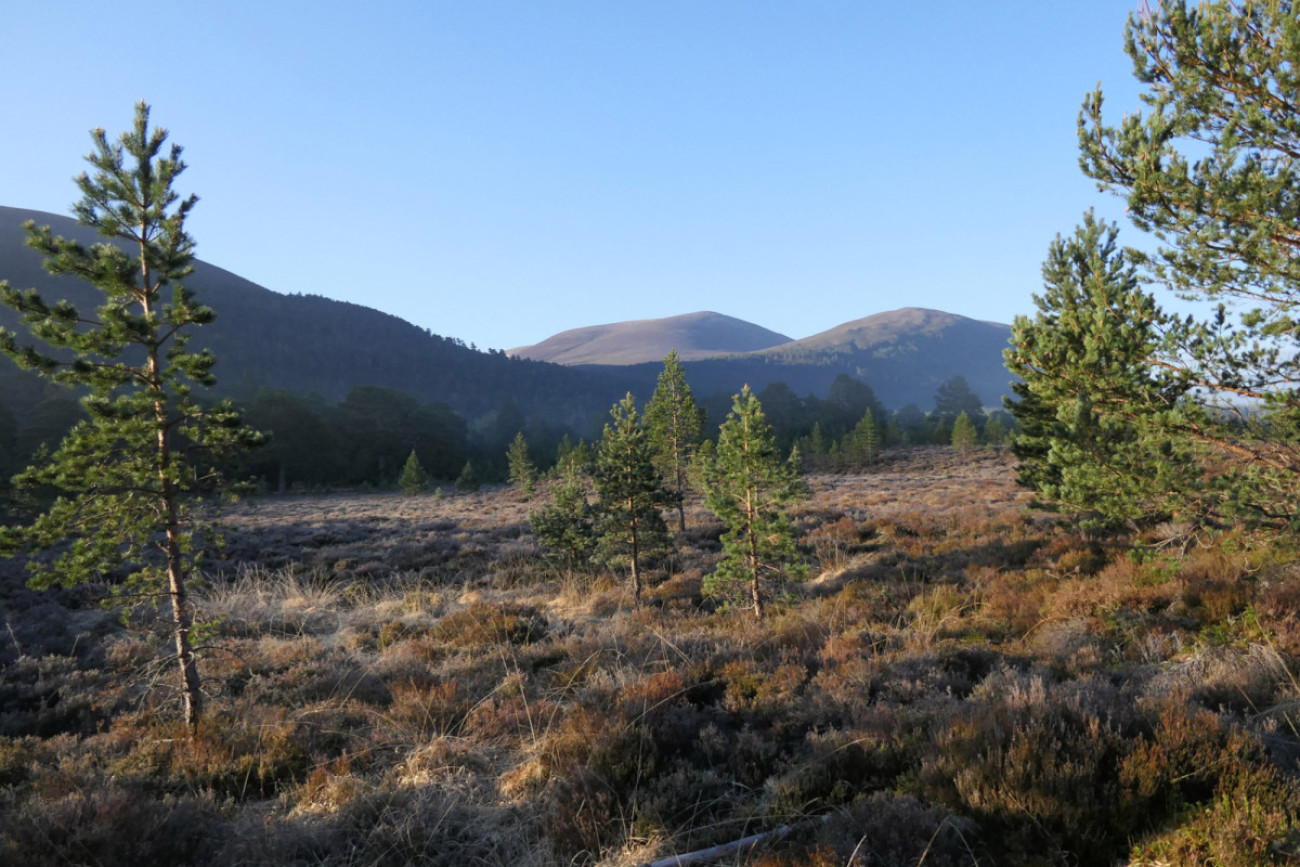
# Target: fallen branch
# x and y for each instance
(714, 853)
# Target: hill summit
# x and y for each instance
(694, 335)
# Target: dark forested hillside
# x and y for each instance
(314, 345)
(308, 343)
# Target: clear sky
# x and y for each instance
(501, 171)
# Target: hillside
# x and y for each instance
(308, 343)
(693, 335)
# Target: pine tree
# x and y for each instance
(674, 421)
(816, 442)
(952, 399)
(964, 435)
(414, 480)
(630, 523)
(566, 528)
(995, 430)
(863, 442)
(1213, 170)
(747, 486)
(126, 472)
(523, 475)
(468, 479)
(1098, 421)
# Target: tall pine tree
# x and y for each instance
(630, 523)
(126, 473)
(1211, 167)
(674, 422)
(747, 486)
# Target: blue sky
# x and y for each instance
(500, 171)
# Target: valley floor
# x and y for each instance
(963, 679)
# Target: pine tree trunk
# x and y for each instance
(182, 613)
(753, 556)
(183, 620)
(636, 570)
(680, 472)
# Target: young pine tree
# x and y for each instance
(468, 480)
(125, 474)
(964, 435)
(1100, 425)
(995, 431)
(414, 480)
(566, 528)
(674, 421)
(863, 442)
(630, 523)
(523, 475)
(747, 487)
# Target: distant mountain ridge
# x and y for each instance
(693, 335)
(904, 355)
(308, 343)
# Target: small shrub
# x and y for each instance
(488, 624)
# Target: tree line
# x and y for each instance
(364, 440)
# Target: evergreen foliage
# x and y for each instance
(1211, 168)
(125, 473)
(863, 442)
(630, 524)
(964, 435)
(674, 421)
(747, 486)
(305, 447)
(995, 430)
(414, 480)
(468, 480)
(1097, 418)
(523, 475)
(952, 399)
(566, 528)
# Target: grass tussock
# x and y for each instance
(960, 681)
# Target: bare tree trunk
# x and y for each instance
(183, 620)
(182, 612)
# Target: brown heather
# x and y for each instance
(401, 680)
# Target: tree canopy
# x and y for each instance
(123, 473)
(1210, 168)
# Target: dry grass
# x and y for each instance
(401, 680)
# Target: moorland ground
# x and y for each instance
(963, 679)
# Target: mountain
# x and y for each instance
(693, 335)
(904, 355)
(897, 331)
(308, 343)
